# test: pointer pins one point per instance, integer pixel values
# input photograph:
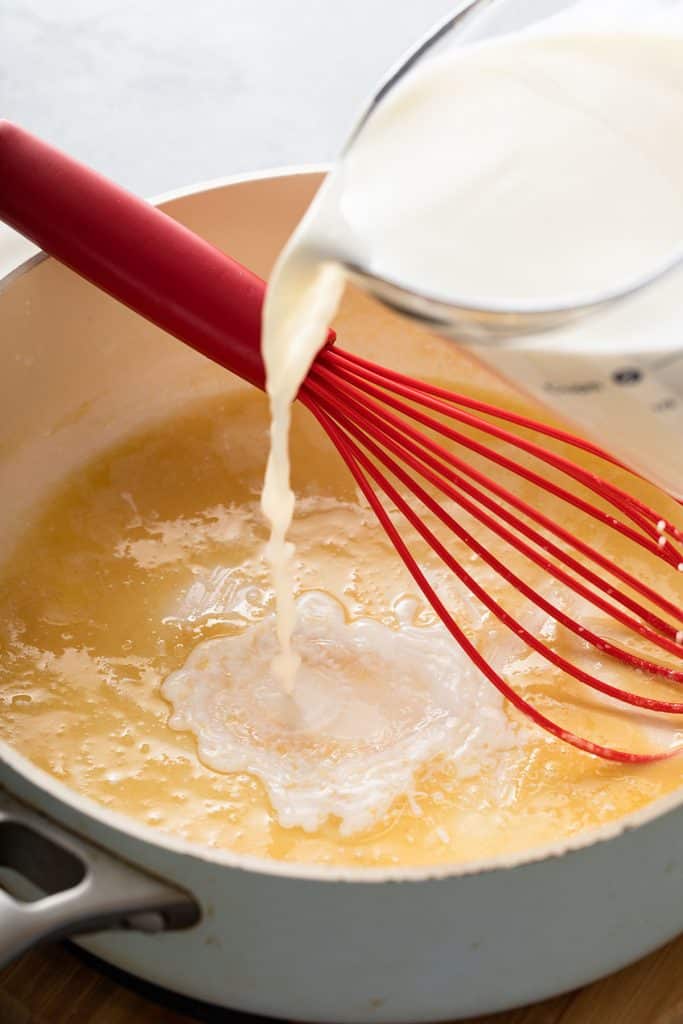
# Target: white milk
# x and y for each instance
(545, 165)
(375, 704)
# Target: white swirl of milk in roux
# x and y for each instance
(373, 704)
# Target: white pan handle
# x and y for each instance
(55, 884)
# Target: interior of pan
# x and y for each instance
(78, 373)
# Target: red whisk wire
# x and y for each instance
(497, 412)
(374, 383)
(500, 612)
(404, 450)
(364, 470)
(406, 431)
(368, 412)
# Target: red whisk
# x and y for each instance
(386, 426)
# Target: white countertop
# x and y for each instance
(162, 93)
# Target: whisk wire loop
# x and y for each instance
(404, 449)
(363, 471)
(370, 413)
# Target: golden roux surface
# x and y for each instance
(97, 607)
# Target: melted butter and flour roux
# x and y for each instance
(125, 581)
(334, 719)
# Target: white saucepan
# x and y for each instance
(77, 372)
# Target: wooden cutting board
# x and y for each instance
(58, 985)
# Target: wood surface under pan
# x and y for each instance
(49, 986)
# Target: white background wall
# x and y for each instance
(161, 93)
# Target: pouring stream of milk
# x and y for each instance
(539, 165)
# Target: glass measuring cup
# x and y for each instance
(619, 377)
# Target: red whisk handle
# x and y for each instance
(136, 253)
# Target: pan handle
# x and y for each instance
(55, 884)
